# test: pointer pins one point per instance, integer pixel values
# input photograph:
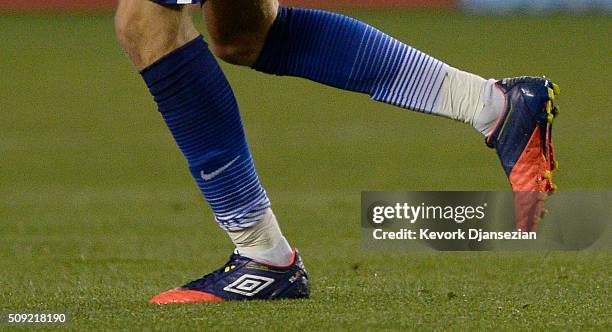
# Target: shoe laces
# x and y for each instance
(217, 274)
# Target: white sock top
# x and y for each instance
(263, 242)
(471, 99)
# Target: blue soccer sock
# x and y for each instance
(345, 53)
(199, 107)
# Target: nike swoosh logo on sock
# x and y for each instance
(210, 176)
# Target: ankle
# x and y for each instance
(264, 241)
(494, 102)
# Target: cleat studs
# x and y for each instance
(548, 175)
(542, 214)
(555, 110)
(551, 94)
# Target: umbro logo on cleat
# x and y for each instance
(249, 285)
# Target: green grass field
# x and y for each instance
(98, 211)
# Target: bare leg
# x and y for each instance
(148, 31)
(238, 28)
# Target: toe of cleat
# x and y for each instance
(177, 295)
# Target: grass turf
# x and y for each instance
(98, 212)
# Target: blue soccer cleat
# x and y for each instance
(243, 278)
(523, 141)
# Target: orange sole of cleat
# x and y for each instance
(530, 178)
(530, 169)
(183, 296)
(529, 210)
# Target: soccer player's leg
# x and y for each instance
(198, 106)
(345, 53)
(238, 29)
(148, 31)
